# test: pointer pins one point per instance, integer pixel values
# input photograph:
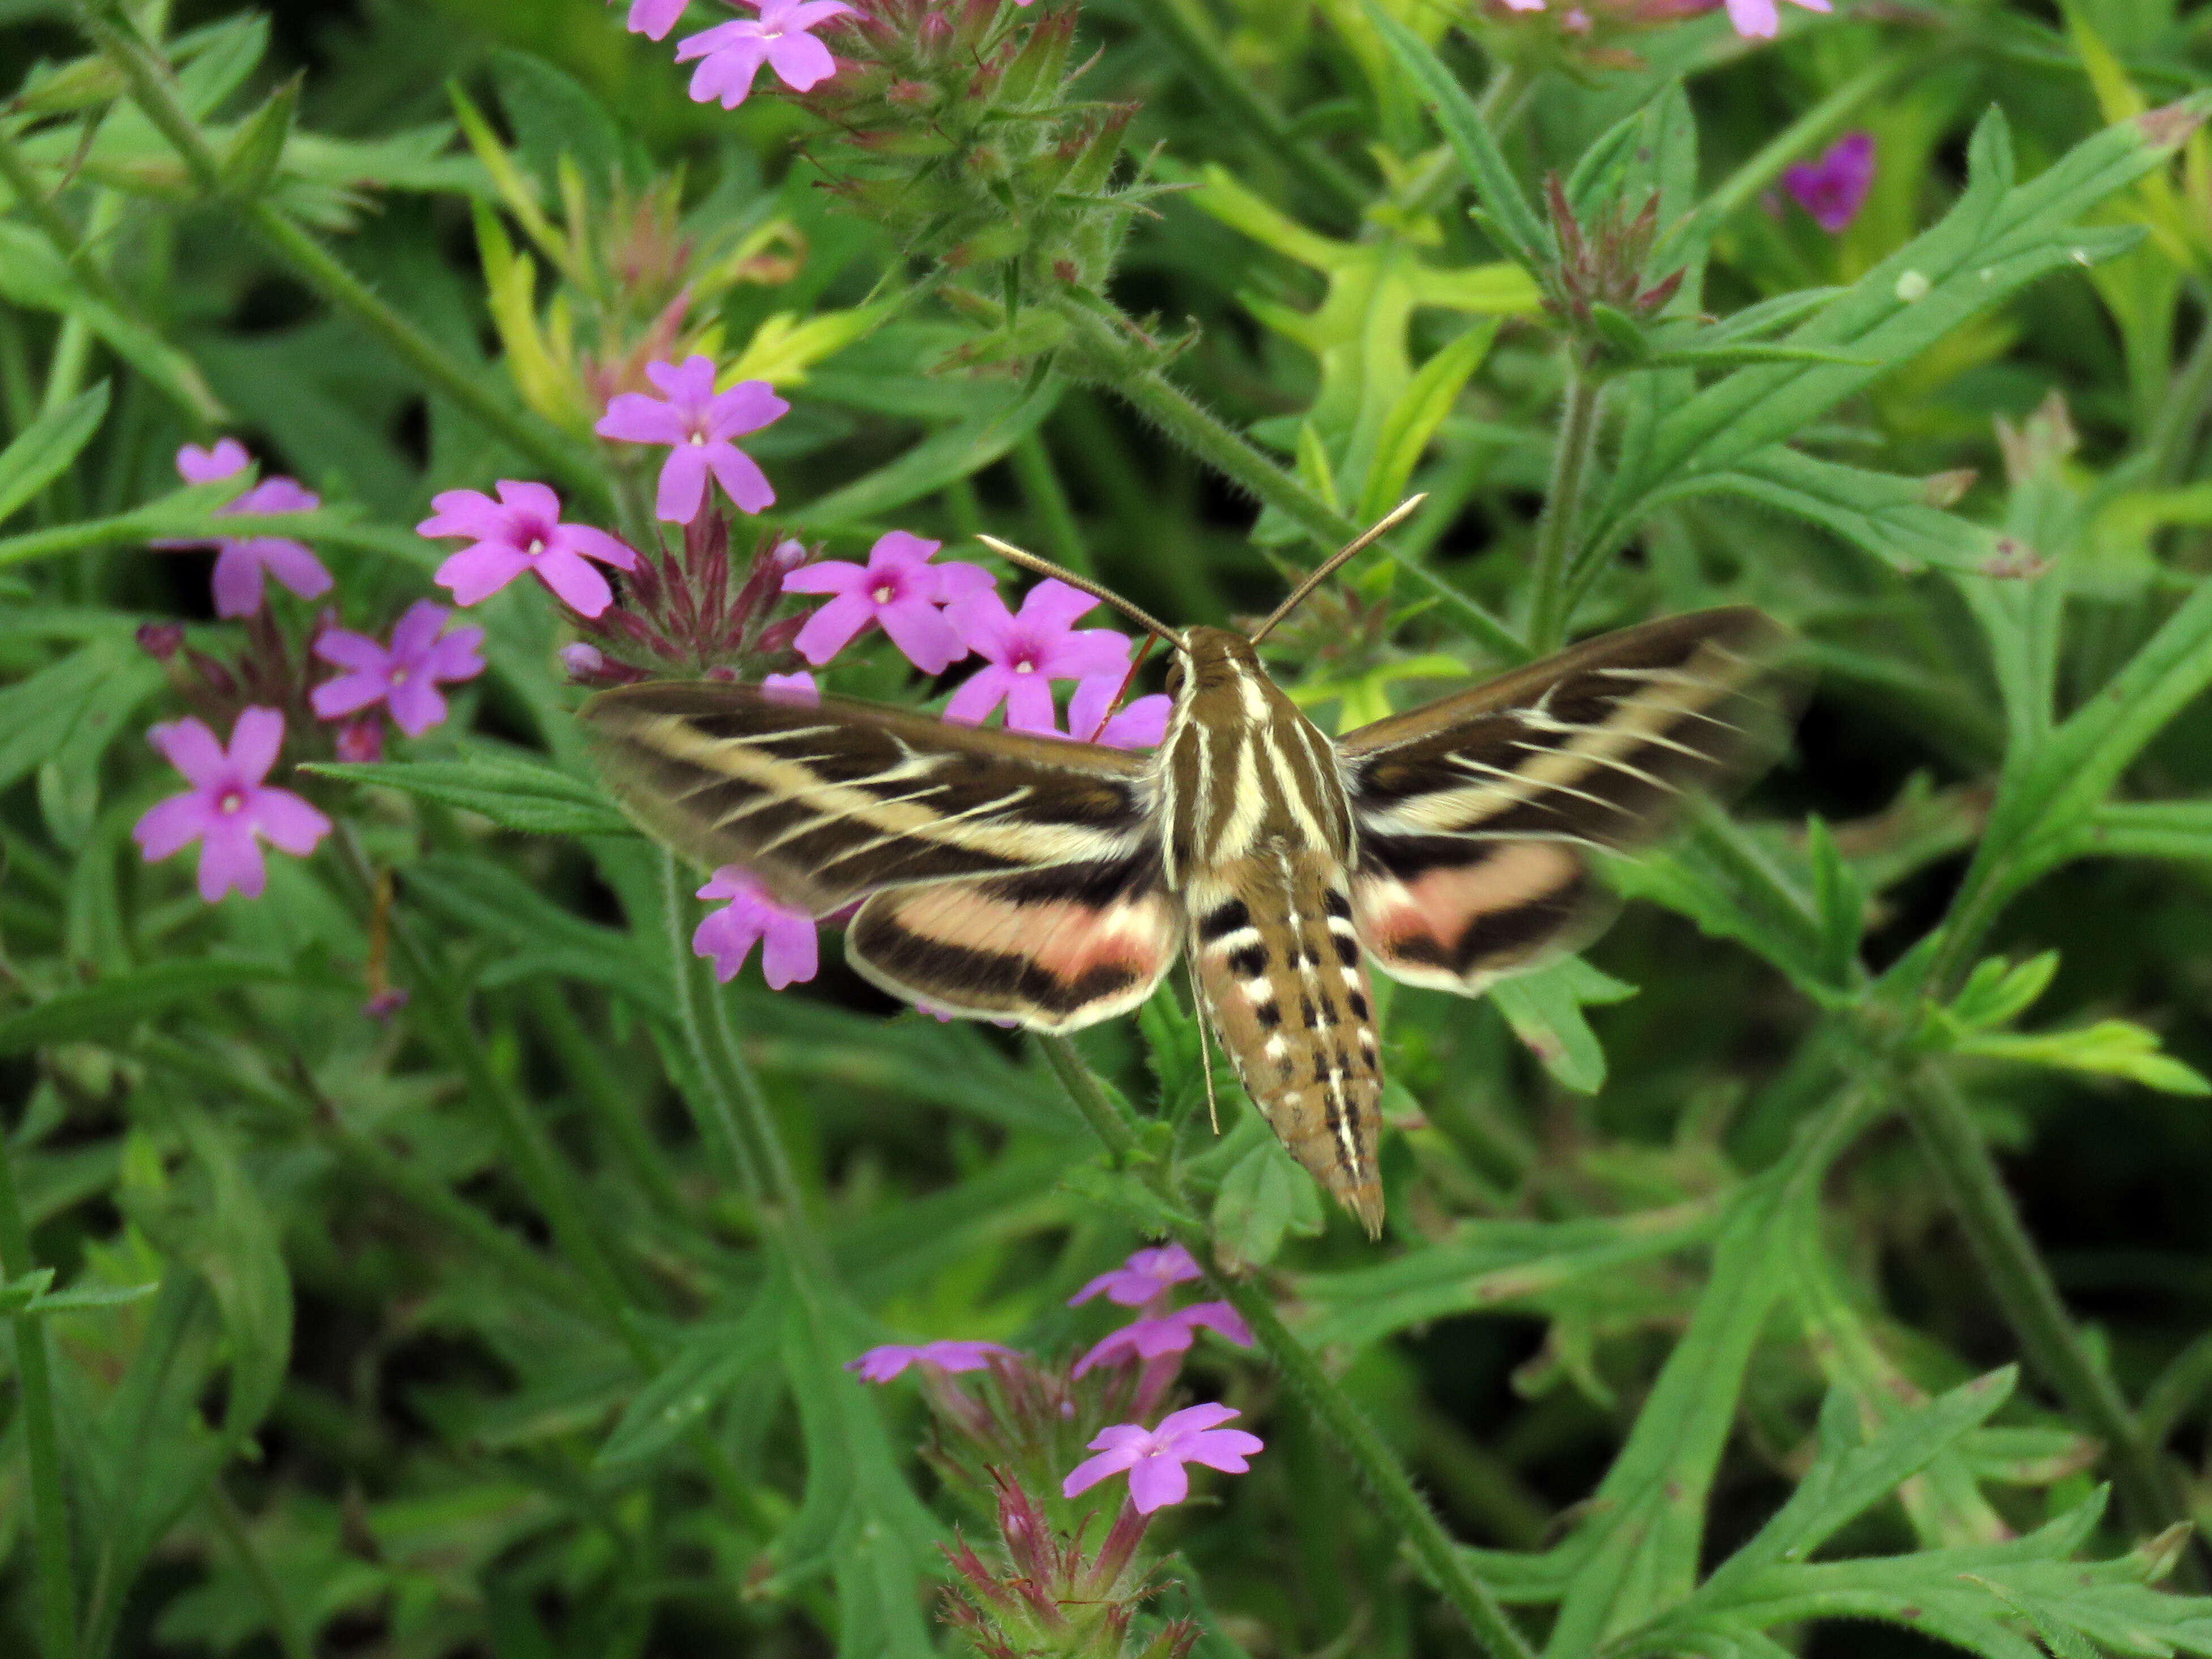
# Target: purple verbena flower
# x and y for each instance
(1154, 1339)
(229, 810)
(1148, 1275)
(698, 423)
(734, 52)
(882, 1365)
(1155, 1457)
(240, 562)
(522, 531)
(800, 687)
(789, 951)
(404, 677)
(1833, 186)
(654, 18)
(899, 590)
(1026, 651)
(1140, 725)
(1760, 20)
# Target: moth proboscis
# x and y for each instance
(1053, 883)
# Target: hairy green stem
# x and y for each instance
(1401, 1502)
(2023, 1287)
(1102, 355)
(1230, 89)
(153, 87)
(41, 1446)
(1549, 601)
(716, 1108)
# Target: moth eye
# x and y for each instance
(1174, 679)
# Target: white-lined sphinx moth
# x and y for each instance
(1053, 883)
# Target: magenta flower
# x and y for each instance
(405, 678)
(788, 948)
(898, 589)
(698, 424)
(1155, 1457)
(882, 1365)
(735, 52)
(654, 18)
(1027, 651)
(522, 531)
(1834, 187)
(1155, 1338)
(229, 810)
(1140, 726)
(240, 562)
(1760, 20)
(1144, 1276)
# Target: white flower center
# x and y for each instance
(883, 594)
(399, 676)
(698, 439)
(1025, 666)
(537, 546)
(230, 800)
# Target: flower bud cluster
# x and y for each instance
(963, 134)
(1600, 268)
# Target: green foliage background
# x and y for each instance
(513, 1328)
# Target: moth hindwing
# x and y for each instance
(1053, 884)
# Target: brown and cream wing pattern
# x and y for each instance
(1475, 812)
(827, 801)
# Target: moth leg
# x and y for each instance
(1204, 1049)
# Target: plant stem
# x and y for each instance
(1332, 1409)
(1101, 355)
(153, 87)
(231, 1526)
(42, 1448)
(1549, 603)
(2031, 1303)
(1230, 89)
(715, 1110)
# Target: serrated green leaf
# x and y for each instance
(713, 1358)
(1890, 517)
(1999, 992)
(101, 1009)
(1545, 1009)
(2112, 1048)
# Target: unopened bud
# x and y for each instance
(160, 641)
(361, 743)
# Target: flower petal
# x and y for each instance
(574, 583)
(469, 512)
(745, 407)
(230, 857)
(919, 630)
(978, 695)
(168, 827)
(833, 627)
(347, 649)
(1156, 1482)
(683, 488)
(475, 574)
(1092, 1470)
(225, 460)
(416, 705)
(293, 565)
(741, 477)
(634, 418)
(801, 61)
(188, 746)
(349, 694)
(254, 742)
(789, 951)
(237, 580)
(289, 822)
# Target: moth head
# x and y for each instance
(1210, 657)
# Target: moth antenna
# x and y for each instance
(1367, 538)
(1031, 562)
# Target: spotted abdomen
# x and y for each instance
(1281, 970)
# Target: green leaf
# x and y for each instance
(33, 274)
(30, 1295)
(102, 1010)
(1513, 222)
(1996, 239)
(1264, 1196)
(513, 791)
(1850, 1476)
(1998, 992)
(1413, 420)
(45, 447)
(2113, 1048)
(1839, 902)
(1890, 517)
(713, 1358)
(255, 154)
(1486, 1264)
(1545, 1009)
(957, 451)
(554, 116)
(860, 1521)
(2150, 829)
